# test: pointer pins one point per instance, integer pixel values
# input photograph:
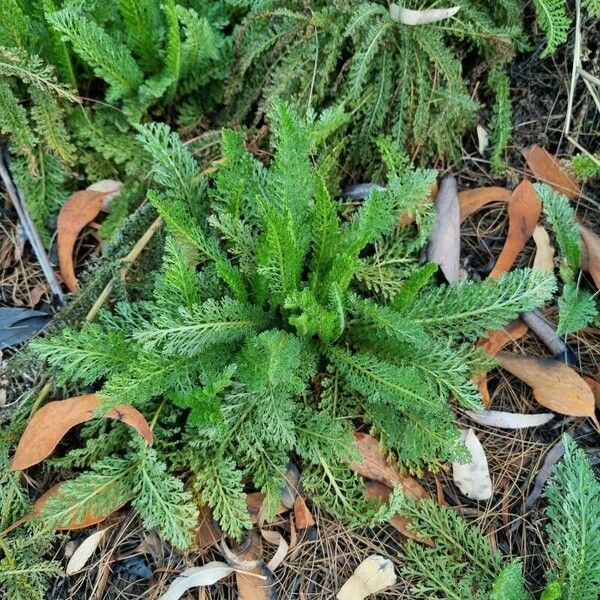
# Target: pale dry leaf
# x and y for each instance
(84, 551)
(524, 210)
(276, 539)
(473, 478)
(471, 201)
(194, 577)
(591, 262)
(373, 575)
(506, 420)
(483, 139)
(51, 422)
(407, 16)
(555, 385)
(111, 187)
(444, 240)
(544, 253)
(547, 169)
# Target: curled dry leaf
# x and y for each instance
(303, 518)
(544, 253)
(84, 551)
(506, 420)
(547, 169)
(254, 501)
(78, 210)
(406, 16)
(374, 465)
(275, 539)
(88, 520)
(374, 490)
(373, 575)
(471, 201)
(555, 385)
(483, 139)
(444, 241)
(524, 209)
(254, 579)
(208, 574)
(473, 478)
(591, 262)
(51, 422)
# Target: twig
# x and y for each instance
(29, 228)
(575, 70)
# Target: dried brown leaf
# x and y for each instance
(547, 169)
(591, 263)
(51, 422)
(524, 210)
(303, 518)
(555, 385)
(471, 201)
(78, 210)
(375, 466)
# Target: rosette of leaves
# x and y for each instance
(263, 343)
(404, 81)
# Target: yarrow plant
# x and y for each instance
(268, 339)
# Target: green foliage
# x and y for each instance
(573, 512)
(24, 574)
(586, 167)
(554, 22)
(462, 563)
(561, 217)
(510, 584)
(501, 121)
(257, 297)
(131, 63)
(290, 50)
(576, 308)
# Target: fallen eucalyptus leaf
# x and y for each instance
(51, 422)
(506, 420)
(208, 574)
(524, 210)
(473, 478)
(84, 551)
(110, 187)
(443, 248)
(303, 518)
(471, 201)
(373, 575)
(547, 169)
(407, 16)
(544, 254)
(374, 465)
(78, 210)
(359, 191)
(555, 385)
(591, 262)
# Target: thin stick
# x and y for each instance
(29, 228)
(576, 66)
